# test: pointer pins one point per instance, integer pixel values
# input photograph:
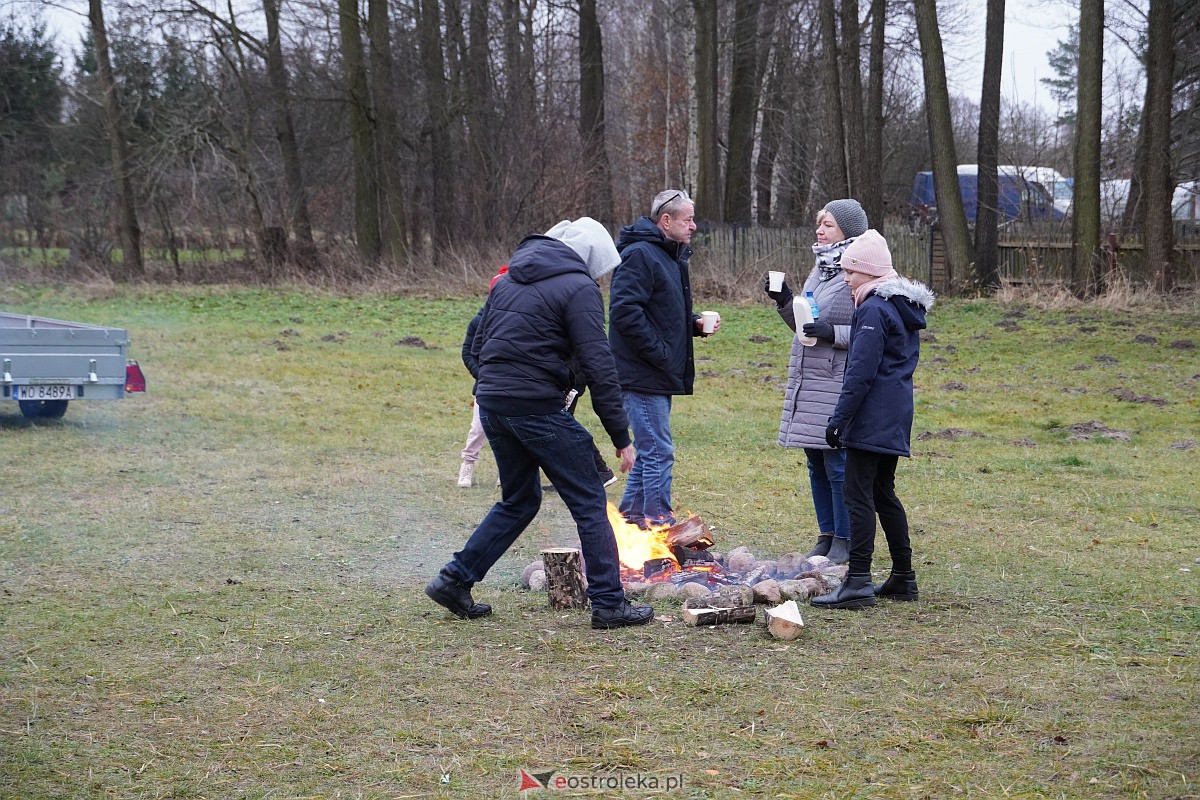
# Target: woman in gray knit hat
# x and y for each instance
(815, 370)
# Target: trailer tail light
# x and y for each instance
(135, 381)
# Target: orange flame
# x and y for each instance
(637, 546)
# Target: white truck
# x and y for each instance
(47, 363)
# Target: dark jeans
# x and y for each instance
(827, 479)
(564, 450)
(870, 490)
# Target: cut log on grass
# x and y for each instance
(784, 621)
(564, 578)
(719, 616)
(728, 606)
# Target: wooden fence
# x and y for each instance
(730, 257)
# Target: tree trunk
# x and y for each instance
(482, 129)
(1085, 215)
(708, 197)
(743, 111)
(871, 193)
(952, 218)
(833, 175)
(1156, 179)
(393, 231)
(591, 114)
(128, 232)
(986, 214)
(285, 132)
(442, 192)
(773, 118)
(362, 138)
(852, 106)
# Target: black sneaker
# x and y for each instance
(609, 477)
(450, 593)
(622, 616)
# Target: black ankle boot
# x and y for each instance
(899, 586)
(824, 540)
(839, 551)
(855, 592)
(448, 591)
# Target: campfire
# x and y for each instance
(677, 553)
(675, 561)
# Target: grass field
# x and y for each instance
(215, 590)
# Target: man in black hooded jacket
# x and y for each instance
(541, 317)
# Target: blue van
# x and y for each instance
(1017, 198)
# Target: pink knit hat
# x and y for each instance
(868, 254)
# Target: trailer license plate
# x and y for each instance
(48, 391)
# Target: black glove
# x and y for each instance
(819, 329)
(782, 297)
(833, 437)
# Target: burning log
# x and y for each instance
(691, 533)
(564, 578)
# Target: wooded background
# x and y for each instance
(292, 137)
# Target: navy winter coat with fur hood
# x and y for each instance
(875, 409)
(545, 313)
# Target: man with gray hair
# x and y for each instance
(544, 315)
(650, 325)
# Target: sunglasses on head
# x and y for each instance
(656, 211)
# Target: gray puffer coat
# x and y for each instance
(815, 373)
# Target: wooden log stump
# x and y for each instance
(564, 578)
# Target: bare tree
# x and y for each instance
(871, 191)
(852, 106)
(393, 232)
(952, 218)
(1085, 216)
(591, 113)
(362, 138)
(708, 197)
(128, 231)
(743, 111)
(835, 175)
(285, 132)
(987, 214)
(1148, 208)
(438, 100)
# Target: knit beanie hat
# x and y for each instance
(591, 241)
(849, 216)
(868, 254)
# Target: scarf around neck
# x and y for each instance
(863, 292)
(829, 258)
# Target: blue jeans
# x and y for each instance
(563, 449)
(647, 497)
(826, 477)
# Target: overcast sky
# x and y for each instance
(1031, 30)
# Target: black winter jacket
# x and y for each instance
(545, 313)
(650, 317)
(470, 360)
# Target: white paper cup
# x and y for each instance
(709, 320)
(775, 281)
